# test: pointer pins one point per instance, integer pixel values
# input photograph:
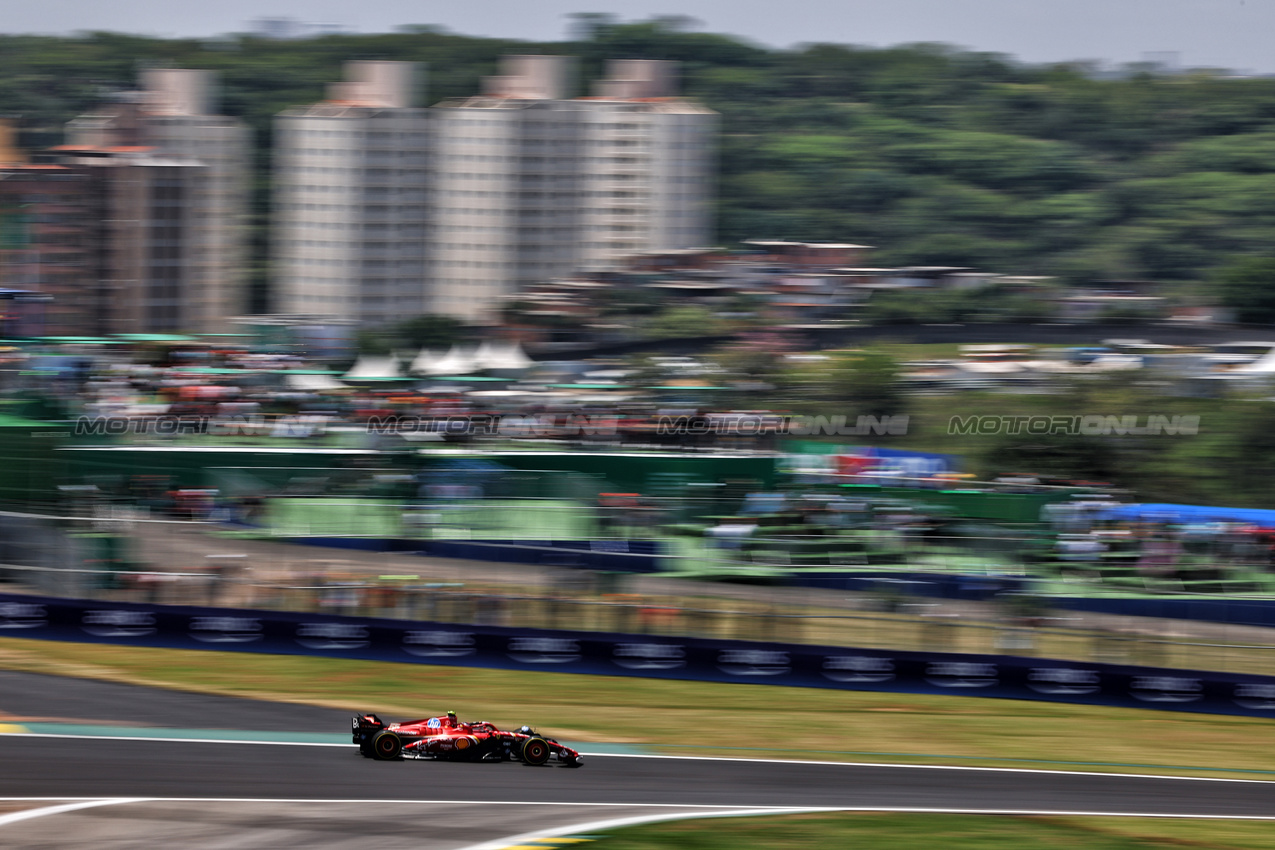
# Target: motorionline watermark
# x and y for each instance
(528, 426)
(88, 426)
(746, 425)
(612, 425)
(1087, 425)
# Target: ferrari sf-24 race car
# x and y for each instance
(446, 738)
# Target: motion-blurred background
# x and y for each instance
(645, 330)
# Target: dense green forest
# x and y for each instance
(934, 155)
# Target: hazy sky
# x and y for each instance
(1220, 33)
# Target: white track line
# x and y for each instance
(894, 765)
(542, 835)
(960, 767)
(723, 810)
(374, 801)
(363, 801)
(708, 810)
(635, 820)
(14, 817)
(4, 735)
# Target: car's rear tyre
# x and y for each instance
(535, 751)
(387, 746)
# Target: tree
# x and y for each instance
(757, 355)
(587, 26)
(684, 323)
(628, 301)
(1248, 286)
(936, 155)
(429, 330)
(867, 382)
(1061, 455)
(375, 343)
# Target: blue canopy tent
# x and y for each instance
(1188, 514)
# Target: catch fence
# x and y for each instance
(125, 555)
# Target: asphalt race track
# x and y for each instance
(134, 793)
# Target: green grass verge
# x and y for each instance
(356, 516)
(955, 832)
(728, 719)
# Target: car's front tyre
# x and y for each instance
(536, 751)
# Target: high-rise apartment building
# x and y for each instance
(104, 235)
(45, 281)
(145, 245)
(530, 184)
(384, 211)
(649, 165)
(203, 273)
(350, 180)
(505, 187)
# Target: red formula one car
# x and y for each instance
(448, 739)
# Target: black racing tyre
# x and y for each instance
(535, 751)
(386, 746)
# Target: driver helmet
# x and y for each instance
(451, 718)
(525, 730)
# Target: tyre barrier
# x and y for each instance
(647, 656)
(630, 556)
